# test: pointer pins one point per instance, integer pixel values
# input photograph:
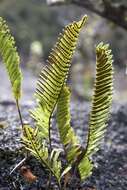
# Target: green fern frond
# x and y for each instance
(38, 148)
(10, 58)
(53, 76)
(68, 137)
(102, 98)
(67, 134)
(101, 104)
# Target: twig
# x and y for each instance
(18, 165)
(112, 13)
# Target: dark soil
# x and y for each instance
(110, 171)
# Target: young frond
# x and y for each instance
(67, 134)
(102, 97)
(53, 76)
(10, 58)
(101, 102)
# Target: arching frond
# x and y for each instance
(53, 76)
(67, 134)
(101, 103)
(10, 58)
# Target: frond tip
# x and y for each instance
(10, 58)
(53, 76)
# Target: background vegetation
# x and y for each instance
(35, 20)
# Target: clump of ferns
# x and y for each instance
(51, 92)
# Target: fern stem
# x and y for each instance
(19, 112)
(50, 141)
(59, 186)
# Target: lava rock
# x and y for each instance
(110, 171)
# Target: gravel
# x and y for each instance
(110, 171)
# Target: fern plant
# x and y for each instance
(52, 92)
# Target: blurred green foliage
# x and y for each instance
(31, 20)
(34, 20)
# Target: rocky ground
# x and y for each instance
(110, 172)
